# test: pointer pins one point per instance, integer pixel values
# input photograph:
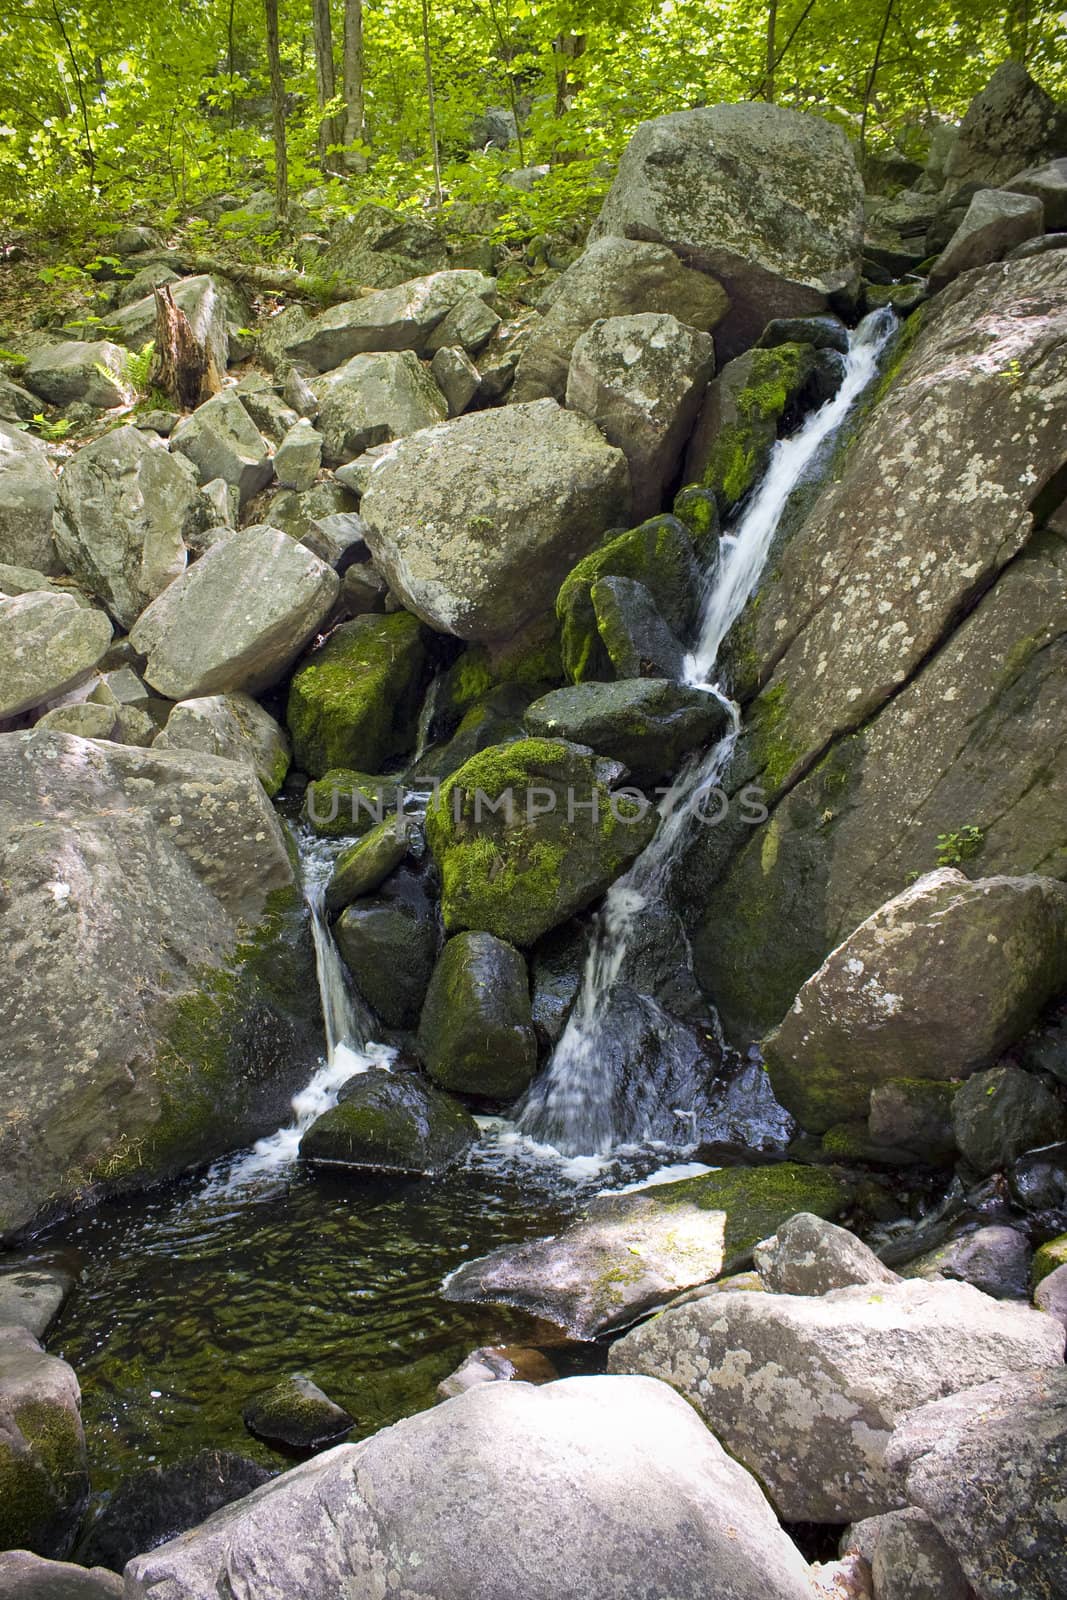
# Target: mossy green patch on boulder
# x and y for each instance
(44, 1481)
(526, 834)
(757, 1200)
(297, 1413)
(531, 662)
(355, 700)
(746, 406)
(1051, 1255)
(390, 1122)
(698, 510)
(476, 1031)
(343, 803)
(366, 864)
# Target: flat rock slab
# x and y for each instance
(32, 1298)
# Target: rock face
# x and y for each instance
(612, 278)
(237, 618)
(27, 501)
(950, 473)
(389, 944)
(476, 1031)
(355, 701)
(373, 399)
(1010, 125)
(390, 1122)
(401, 318)
(92, 373)
(590, 1486)
(222, 441)
(988, 1466)
(829, 1378)
(994, 224)
(47, 644)
(174, 1041)
(767, 200)
(230, 725)
(936, 983)
(642, 379)
(43, 1472)
(474, 523)
(125, 508)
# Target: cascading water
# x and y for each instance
(571, 1105)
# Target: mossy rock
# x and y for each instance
(365, 865)
(296, 1413)
(649, 724)
(526, 834)
(476, 1032)
(494, 719)
(1048, 1258)
(355, 701)
(390, 1122)
(389, 944)
(44, 1482)
(757, 1200)
(342, 803)
(698, 511)
(531, 662)
(747, 406)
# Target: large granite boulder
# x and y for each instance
(222, 441)
(373, 399)
(995, 222)
(768, 200)
(806, 1392)
(474, 523)
(1011, 124)
(230, 725)
(999, 1114)
(91, 373)
(1047, 183)
(649, 724)
(28, 490)
(354, 702)
(43, 1473)
(237, 618)
(400, 318)
(376, 248)
(592, 1486)
(48, 643)
(28, 1577)
(809, 1255)
(158, 1006)
(126, 506)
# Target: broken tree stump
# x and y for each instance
(182, 367)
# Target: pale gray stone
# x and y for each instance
(230, 725)
(47, 643)
(401, 318)
(298, 457)
(373, 399)
(221, 441)
(28, 490)
(27, 1577)
(94, 373)
(32, 1297)
(995, 223)
(809, 1255)
(457, 378)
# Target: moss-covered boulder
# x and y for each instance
(638, 642)
(44, 1481)
(297, 1413)
(389, 944)
(495, 719)
(354, 701)
(365, 865)
(390, 1122)
(746, 408)
(649, 724)
(476, 1031)
(526, 834)
(1050, 1256)
(658, 554)
(343, 803)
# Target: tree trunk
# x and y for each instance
(352, 85)
(181, 366)
(434, 147)
(772, 58)
(325, 78)
(277, 102)
(569, 47)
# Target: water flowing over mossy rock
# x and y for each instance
(400, 318)
(526, 834)
(476, 1030)
(746, 407)
(28, 1577)
(297, 1413)
(373, 399)
(48, 644)
(28, 490)
(44, 1481)
(768, 200)
(658, 554)
(474, 523)
(649, 724)
(390, 1122)
(999, 1114)
(162, 1021)
(590, 1486)
(631, 1252)
(935, 984)
(830, 1376)
(230, 725)
(354, 701)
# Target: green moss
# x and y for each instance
(42, 1485)
(757, 1200)
(1048, 1258)
(698, 510)
(777, 756)
(896, 356)
(343, 803)
(354, 702)
(740, 450)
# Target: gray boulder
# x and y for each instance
(907, 1557)
(466, 326)
(237, 619)
(364, 866)
(85, 718)
(389, 944)
(28, 1577)
(233, 726)
(298, 1414)
(32, 1297)
(1047, 183)
(268, 410)
(390, 1122)
(377, 248)
(633, 632)
(809, 1255)
(830, 1378)
(938, 982)
(222, 441)
(1050, 1295)
(988, 1466)
(995, 223)
(593, 1486)
(402, 318)
(42, 1448)
(995, 1260)
(1001, 1113)
(649, 724)
(28, 490)
(612, 278)
(476, 1030)
(94, 374)
(16, 403)
(48, 643)
(457, 377)
(216, 309)
(298, 457)
(126, 507)
(373, 399)
(474, 523)
(1011, 124)
(642, 379)
(768, 200)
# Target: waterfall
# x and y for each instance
(570, 1105)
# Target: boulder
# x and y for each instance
(28, 490)
(600, 1486)
(267, 409)
(613, 277)
(355, 700)
(126, 507)
(216, 309)
(151, 1026)
(995, 1259)
(1052, 1254)
(629, 1253)
(27, 1577)
(995, 223)
(474, 523)
(94, 374)
(1047, 183)
(48, 643)
(1001, 1113)
(389, 944)
(298, 457)
(498, 1364)
(16, 403)
(457, 377)
(336, 538)
(476, 1030)
(1050, 1295)
(32, 1297)
(43, 1472)
(377, 248)
(987, 1466)
(829, 1378)
(342, 803)
(237, 619)
(222, 441)
(822, 333)
(296, 512)
(526, 834)
(1011, 124)
(649, 724)
(365, 865)
(935, 984)
(768, 200)
(638, 642)
(907, 1557)
(809, 1255)
(746, 407)
(373, 399)
(466, 326)
(296, 1413)
(642, 379)
(390, 1122)
(912, 1118)
(230, 725)
(401, 318)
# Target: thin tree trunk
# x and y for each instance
(325, 76)
(757, 87)
(277, 102)
(231, 68)
(872, 75)
(79, 85)
(772, 59)
(1017, 29)
(353, 131)
(569, 47)
(430, 96)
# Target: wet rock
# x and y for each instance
(343, 803)
(746, 407)
(473, 524)
(390, 1122)
(457, 378)
(297, 459)
(995, 1259)
(556, 964)
(28, 490)
(649, 724)
(365, 865)
(222, 441)
(372, 400)
(831, 1377)
(389, 944)
(641, 379)
(912, 1117)
(237, 619)
(355, 700)
(1011, 124)
(296, 1413)
(476, 1031)
(995, 223)
(126, 507)
(151, 1507)
(591, 1486)
(400, 318)
(938, 981)
(987, 1466)
(1047, 183)
(908, 1558)
(27, 1577)
(718, 185)
(42, 1448)
(48, 643)
(629, 1253)
(32, 1297)
(93, 373)
(498, 1364)
(809, 1255)
(821, 333)
(1038, 1184)
(638, 642)
(230, 725)
(1001, 1113)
